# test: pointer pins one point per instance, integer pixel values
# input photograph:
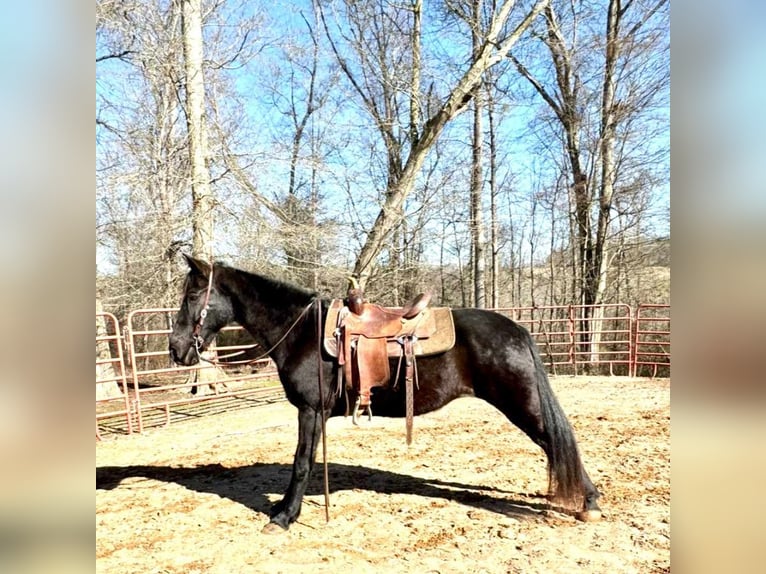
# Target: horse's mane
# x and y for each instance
(276, 286)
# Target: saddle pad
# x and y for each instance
(440, 341)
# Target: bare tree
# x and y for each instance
(141, 165)
(385, 42)
(387, 142)
(194, 82)
(144, 208)
(493, 193)
(203, 202)
(307, 93)
(477, 179)
(630, 75)
(495, 44)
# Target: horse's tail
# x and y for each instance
(565, 470)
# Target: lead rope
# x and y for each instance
(409, 371)
(322, 407)
(267, 353)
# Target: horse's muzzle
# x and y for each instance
(182, 354)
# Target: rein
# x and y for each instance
(259, 357)
(324, 417)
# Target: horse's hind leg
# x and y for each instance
(528, 402)
(590, 511)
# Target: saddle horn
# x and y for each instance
(354, 296)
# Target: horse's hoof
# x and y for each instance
(588, 516)
(273, 528)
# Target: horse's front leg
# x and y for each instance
(287, 510)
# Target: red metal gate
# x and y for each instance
(571, 337)
(159, 385)
(115, 373)
(652, 341)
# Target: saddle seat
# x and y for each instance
(375, 322)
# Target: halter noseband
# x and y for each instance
(198, 340)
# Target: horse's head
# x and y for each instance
(204, 311)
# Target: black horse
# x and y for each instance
(493, 359)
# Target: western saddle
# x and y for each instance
(366, 337)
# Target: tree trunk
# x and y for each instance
(202, 197)
(300, 249)
(476, 219)
(606, 188)
(417, 10)
(494, 249)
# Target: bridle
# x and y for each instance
(198, 340)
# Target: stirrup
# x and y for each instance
(355, 413)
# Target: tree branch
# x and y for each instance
(115, 56)
(643, 21)
(236, 170)
(538, 87)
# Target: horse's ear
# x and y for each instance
(197, 265)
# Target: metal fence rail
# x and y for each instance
(110, 368)
(158, 384)
(651, 352)
(573, 339)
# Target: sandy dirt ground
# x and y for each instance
(466, 496)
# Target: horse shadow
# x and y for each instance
(251, 485)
